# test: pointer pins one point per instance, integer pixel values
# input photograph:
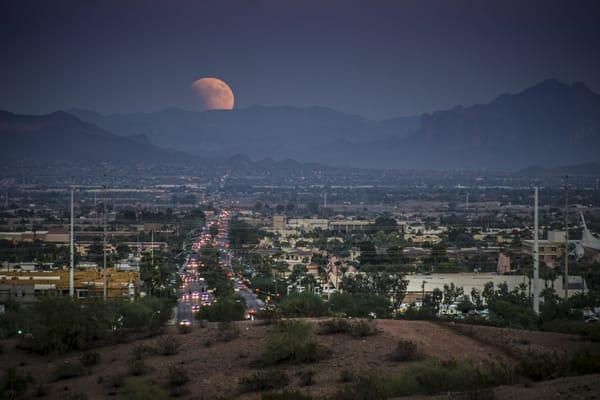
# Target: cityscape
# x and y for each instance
(208, 200)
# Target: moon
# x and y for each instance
(213, 94)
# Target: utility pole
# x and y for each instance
(105, 277)
(566, 237)
(72, 263)
(536, 256)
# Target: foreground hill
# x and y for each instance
(215, 367)
(61, 136)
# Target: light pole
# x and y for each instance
(566, 238)
(536, 256)
(72, 260)
(105, 277)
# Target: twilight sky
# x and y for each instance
(374, 58)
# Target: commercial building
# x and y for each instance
(552, 250)
(24, 285)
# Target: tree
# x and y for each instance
(433, 300)
(476, 298)
(488, 291)
(452, 293)
(438, 253)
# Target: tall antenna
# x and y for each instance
(566, 237)
(536, 255)
(467, 203)
(105, 280)
(325, 200)
(72, 263)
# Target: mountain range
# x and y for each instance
(551, 123)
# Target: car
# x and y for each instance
(185, 322)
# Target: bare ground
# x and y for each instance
(215, 367)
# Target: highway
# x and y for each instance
(193, 292)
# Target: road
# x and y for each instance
(193, 292)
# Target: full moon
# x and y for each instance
(214, 94)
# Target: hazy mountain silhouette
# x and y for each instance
(550, 123)
(60, 136)
(315, 134)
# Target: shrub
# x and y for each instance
(363, 328)
(66, 371)
(286, 395)
(261, 381)
(232, 308)
(516, 316)
(141, 389)
(89, 359)
(540, 366)
(334, 326)
(303, 305)
(359, 305)
(406, 350)
(137, 367)
(14, 384)
(177, 376)
(427, 377)
(141, 350)
(307, 377)
(115, 381)
(167, 345)
(346, 376)
(586, 361)
(227, 331)
(270, 315)
(293, 341)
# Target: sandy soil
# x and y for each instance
(215, 367)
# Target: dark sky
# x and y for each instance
(374, 58)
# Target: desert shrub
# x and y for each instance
(334, 326)
(114, 381)
(142, 389)
(406, 350)
(137, 367)
(516, 316)
(66, 371)
(364, 387)
(261, 381)
(89, 359)
(307, 377)
(177, 376)
(286, 395)
(586, 361)
(293, 341)
(227, 331)
(270, 315)
(141, 350)
(75, 396)
(231, 308)
(60, 325)
(167, 345)
(427, 377)
(540, 366)
(346, 376)
(363, 328)
(359, 305)
(14, 384)
(303, 305)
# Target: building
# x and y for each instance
(421, 283)
(24, 285)
(551, 250)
